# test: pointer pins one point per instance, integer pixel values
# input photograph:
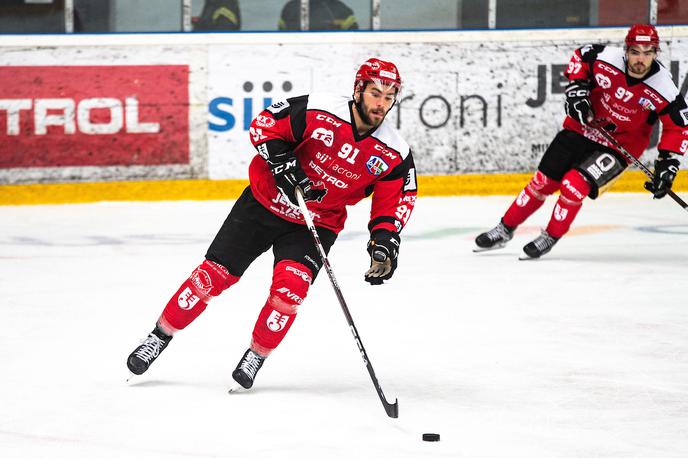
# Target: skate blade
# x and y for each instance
(236, 388)
(481, 250)
(527, 258)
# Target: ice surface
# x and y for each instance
(583, 353)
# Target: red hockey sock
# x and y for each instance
(574, 188)
(290, 283)
(207, 281)
(530, 199)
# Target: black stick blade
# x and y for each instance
(392, 409)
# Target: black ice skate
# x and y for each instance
(246, 370)
(140, 359)
(497, 237)
(541, 245)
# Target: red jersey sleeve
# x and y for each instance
(394, 197)
(277, 130)
(580, 65)
(674, 120)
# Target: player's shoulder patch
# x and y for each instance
(613, 56)
(331, 103)
(390, 137)
(663, 84)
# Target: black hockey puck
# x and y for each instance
(431, 437)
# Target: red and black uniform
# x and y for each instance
(319, 130)
(580, 162)
(632, 106)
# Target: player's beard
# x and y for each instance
(639, 68)
(365, 113)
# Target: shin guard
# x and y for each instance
(530, 199)
(574, 188)
(207, 281)
(290, 283)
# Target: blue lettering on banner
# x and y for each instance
(222, 109)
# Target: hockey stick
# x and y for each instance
(391, 409)
(598, 127)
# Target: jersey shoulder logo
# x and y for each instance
(376, 166)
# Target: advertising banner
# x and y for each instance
(60, 116)
(466, 107)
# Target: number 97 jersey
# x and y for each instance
(630, 106)
(320, 130)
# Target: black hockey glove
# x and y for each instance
(289, 175)
(666, 169)
(577, 104)
(383, 248)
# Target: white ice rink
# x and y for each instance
(582, 354)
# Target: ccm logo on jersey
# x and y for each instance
(603, 81)
(652, 95)
(322, 117)
(385, 152)
(324, 135)
(376, 166)
(608, 69)
(264, 121)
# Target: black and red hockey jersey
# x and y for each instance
(320, 131)
(632, 105)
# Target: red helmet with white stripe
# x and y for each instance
(379, 72)
(642, 35)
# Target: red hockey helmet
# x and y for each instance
(642, 35)
(379, 72)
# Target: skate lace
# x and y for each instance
(499, 232)
(544, 241)
(251, 364)
(150, 348)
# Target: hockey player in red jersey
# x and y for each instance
(625, 91)
(337, 151)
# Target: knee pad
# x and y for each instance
(207, 281)
(541, 186)
(290, 283)
(574, 187)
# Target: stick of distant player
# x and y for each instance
(391, 409)
(597, 125)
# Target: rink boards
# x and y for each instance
(166, 115)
